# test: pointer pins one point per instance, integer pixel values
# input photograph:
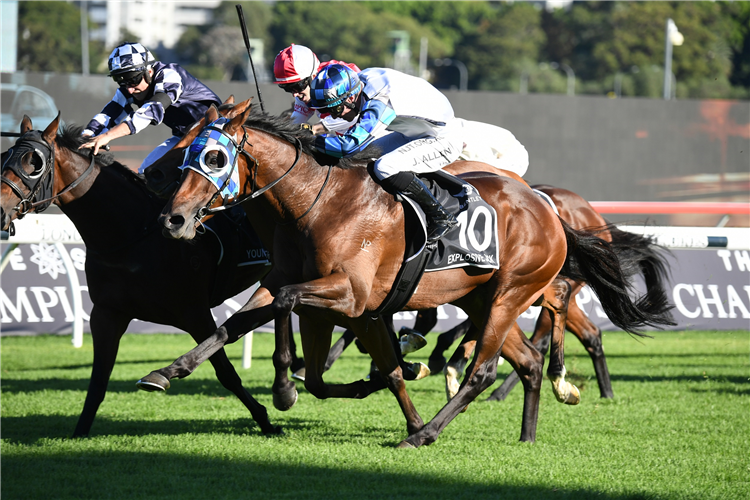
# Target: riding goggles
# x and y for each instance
(223, 175)
(296, 87)
(130, 79)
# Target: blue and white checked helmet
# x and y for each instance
(333, 85)
(129, 57)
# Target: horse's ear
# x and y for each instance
(212, 114)
(238, 109)
(50, 132)
(243, 110)
(26, 124)
(230, 99)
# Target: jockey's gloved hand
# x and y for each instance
(306, 126)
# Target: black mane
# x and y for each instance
(282, 127)
(71, 139)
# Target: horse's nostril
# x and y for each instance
(177, 220)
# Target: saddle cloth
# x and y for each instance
(474, 241)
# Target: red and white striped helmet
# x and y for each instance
(294, 63)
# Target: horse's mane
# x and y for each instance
(71, 139)
(282, 127)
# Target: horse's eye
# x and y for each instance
(34, 163)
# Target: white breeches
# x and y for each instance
(495, 146)
(158, 152)
(463, 140)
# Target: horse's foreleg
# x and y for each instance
(255, 313)
(107, 328)
(528, 364)
(556, 298)
(227, 375)
(316, 338)
(333, 292)
(591, 337)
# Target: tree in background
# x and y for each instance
(49, 38)
(504, 46)
(347, 31)
(216, 51)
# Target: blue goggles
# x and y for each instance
(223, 174)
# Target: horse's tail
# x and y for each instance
(639, 254)
(593, 260)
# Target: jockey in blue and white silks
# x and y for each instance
(425, 135)
(150, 92)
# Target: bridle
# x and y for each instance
(254, 192)
(39, 183)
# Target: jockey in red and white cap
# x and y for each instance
(293, 70)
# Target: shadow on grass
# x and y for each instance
(186, 386)
(28, 430)
(134, 475)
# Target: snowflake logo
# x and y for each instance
(48, 259)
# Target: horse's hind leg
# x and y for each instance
(107, 328)
(591, 337)
(528, 363)
(556, 299)
(540, 339)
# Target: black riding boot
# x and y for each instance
(439, 221)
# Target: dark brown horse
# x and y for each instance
(318, 218)
(131, 269)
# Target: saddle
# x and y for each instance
(473, 242)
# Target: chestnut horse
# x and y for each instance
(318, 217)
(131, 269)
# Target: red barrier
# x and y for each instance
(670, 207)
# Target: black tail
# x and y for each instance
(596, 262)
(640, 254)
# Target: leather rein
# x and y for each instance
(254, 193)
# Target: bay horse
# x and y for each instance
(636, 253)
(318, 217)
(131, 269)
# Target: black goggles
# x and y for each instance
(128, 79)
(296, 87)
(334, 111)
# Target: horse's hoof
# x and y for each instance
(420, 370)
(574, 397)
(285, 401)
(411, 341)
(406, 445)
(299, 374)
(153, 382)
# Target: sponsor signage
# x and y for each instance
(710, 289)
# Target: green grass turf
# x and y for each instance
(679, 427)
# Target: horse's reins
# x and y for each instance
(203, 211)
(27, 203)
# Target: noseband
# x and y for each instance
(40, 182)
